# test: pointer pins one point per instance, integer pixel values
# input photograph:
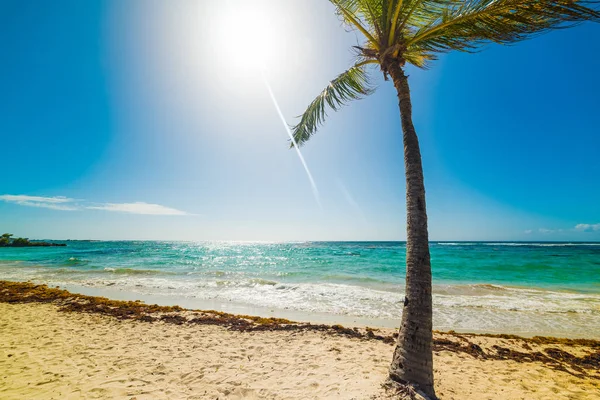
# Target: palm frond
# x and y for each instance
(470, 24)
(411, 14)
(362, 15)
(420, 59)
(352, 84)
(407, 13)
(394, 17)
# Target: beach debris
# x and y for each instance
(559, 359)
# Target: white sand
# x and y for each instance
(46, 354)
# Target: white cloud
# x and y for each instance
(547, 231)
(544, 230)
(587, 227)
(138, 208)
(67, 204)
(51, 206)
(54, 203)
(577, 228)
(16, 198)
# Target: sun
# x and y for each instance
(248, 37)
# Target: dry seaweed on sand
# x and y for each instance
(586, 365)
(27, 292)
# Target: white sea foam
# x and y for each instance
(455, 244)
(476, 307)
(501, 309)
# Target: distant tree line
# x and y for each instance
(6, 240)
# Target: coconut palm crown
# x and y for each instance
(397, 32)
(416, 31)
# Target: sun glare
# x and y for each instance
(248, 37)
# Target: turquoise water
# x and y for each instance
(527, 288)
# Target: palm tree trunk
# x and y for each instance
(413, 357)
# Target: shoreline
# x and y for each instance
(235, 308)
(477, 287)
(66, 301)
(64, 345)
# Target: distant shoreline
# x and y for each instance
(8, 240)
(34, 244)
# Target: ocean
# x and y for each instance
(520, 288)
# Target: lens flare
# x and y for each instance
(253, 26)
(289, 132)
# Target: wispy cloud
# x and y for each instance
(22, 197)
(62, 203)
(587, 227)
(55, 203)
(544, 231)
(548, 231)
(138, 208)
(577, 228)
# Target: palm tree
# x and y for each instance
(397, 32)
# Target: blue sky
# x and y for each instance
(142, 120)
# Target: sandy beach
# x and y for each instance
(268, 199)
(47, 353)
